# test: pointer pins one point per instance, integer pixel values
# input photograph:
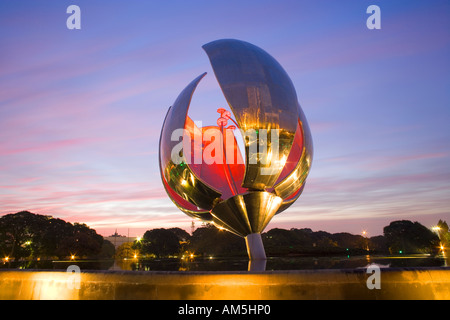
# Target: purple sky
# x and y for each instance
(81, 110)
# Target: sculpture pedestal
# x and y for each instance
(255, 247)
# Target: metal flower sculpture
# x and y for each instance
(203, 170)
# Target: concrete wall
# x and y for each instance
(418, 283)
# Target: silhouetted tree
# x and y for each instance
(124, 251)
(410, 237)
(443, 234)
(107, 251)
(18, 234)
(378, 244)
(161, 242)
(83, 241)
(25, 234)
(209, 240)
(348, 240)
(180, 233)
(280, 237)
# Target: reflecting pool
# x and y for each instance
(238, 263)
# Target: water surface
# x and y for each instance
(239, 263)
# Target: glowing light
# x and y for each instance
(283, 160)
(138, 239)
(72, 257)
(6, 259)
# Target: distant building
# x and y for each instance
(117, 239)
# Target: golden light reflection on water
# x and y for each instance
(51, 286)
(325, 284)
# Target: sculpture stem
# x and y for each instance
(255, 247)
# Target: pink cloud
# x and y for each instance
(45, 146)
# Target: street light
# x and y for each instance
(437, 229)
(364, 234)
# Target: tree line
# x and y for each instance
(399, 237)
(25, 235)
(32, 236)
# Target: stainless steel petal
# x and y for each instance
(262, 97)
(185, 206)
(287, 203)
(179, 176)
(296, 179)
(247, 213)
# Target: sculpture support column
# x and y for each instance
(255, 247)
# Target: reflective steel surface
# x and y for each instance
(247, 213)
(239, 197)
(296, 178)
(179, 177)
(261, 96)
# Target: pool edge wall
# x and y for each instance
(406, 283)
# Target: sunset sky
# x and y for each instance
(81, 110)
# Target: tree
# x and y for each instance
(161, 242)
(124, 251)
(28, 235)
(20, 234)
(324, 240)
(181, 234)
(444, 235)
(378, 244)
(108, 250)
(280, 237)
(82, 241)
(443, 226)
(305, 241)
(405, 236)
(52, 238)
(209, 240)
(348, 240)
